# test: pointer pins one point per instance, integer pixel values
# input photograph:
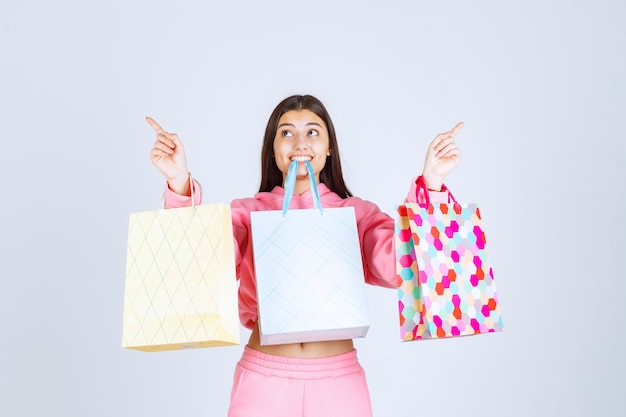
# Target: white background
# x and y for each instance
(539, 84)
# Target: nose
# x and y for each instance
(301, 142)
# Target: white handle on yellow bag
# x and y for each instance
(191, 188)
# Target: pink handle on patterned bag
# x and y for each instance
(421, 185)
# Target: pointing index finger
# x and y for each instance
(157, 128)
(456, 129)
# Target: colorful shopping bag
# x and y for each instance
(181, 290)
(309, 272)
(445, 281)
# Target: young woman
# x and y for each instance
(316, 378)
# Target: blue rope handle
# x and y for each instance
(290, 185)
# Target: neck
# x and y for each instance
(302, 185)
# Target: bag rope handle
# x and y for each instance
(191, 188)
(421, 185)
(290, 185)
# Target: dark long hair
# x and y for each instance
(331, 175)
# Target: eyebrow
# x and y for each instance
(292, 125)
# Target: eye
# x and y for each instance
(286, 134)
(313, 132)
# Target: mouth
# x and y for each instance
(301, 158)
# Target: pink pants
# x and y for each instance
(275, 386)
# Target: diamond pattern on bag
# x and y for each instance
(180, 270)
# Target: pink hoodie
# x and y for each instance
(376, 231)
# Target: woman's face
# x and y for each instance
(301, 135)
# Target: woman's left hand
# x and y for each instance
(441, 158)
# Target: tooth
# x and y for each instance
(301, 158)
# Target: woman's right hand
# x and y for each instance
(168, 156)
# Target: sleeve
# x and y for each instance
(174, 200)
(376, 231)
(241, 230)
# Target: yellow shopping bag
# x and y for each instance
(181, 289)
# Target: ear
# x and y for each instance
(328, 153)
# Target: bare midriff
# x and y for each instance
(301, 350)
